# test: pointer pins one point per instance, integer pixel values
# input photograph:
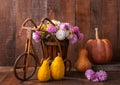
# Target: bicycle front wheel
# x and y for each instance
(25, 68)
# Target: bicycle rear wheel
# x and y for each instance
(21, 70)
(68, 66)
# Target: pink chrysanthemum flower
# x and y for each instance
(66, 26)
(73, 38)
(102, 75)
(76, 29)
(51, 29)
(94, 78)
(89, 74)
(77, 32)
(36, 36)
(80, 36)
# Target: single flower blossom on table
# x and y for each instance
(89, 74)
(94, 78)
(102, 75)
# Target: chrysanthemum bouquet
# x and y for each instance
(61, 30)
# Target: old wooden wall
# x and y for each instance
(87, 14)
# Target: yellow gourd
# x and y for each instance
(44, 71)
(57, 68)
(83, 62)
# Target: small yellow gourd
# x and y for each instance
(57, 68)
(83, 62)
(44, 71)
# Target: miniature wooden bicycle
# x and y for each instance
(26, 64)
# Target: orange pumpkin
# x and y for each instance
(100, 50)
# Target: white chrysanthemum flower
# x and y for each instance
(61, 34)
(56, 22)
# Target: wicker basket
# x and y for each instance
(51, 48)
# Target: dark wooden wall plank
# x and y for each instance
(53, 9)
(23, 11)
(83, 21)
(63, 10)
(109, 22)
(38, 11)
(83, 17)
(7, 32)
(95, 17)
(118, 31)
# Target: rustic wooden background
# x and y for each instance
(87, 14)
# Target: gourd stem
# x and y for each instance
(58, 54)
(96, 33)
(48, 58)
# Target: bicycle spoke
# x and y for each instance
(24, 73)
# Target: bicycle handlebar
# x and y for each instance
(42, 22)
(27, 20)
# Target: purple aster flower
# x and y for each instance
(89, 74)
(94, 78)
(66, 26)
(36, 36)
(51, 29)
(73, 38)
(102, 75)
(76, 29)
(77, 32)
(80, 36)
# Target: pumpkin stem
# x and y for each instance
(96, 33)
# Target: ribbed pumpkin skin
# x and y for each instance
(100, 50)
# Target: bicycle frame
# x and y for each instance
(29, 44)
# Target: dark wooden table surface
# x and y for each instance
(75, 78)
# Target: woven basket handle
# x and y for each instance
(42, 22)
